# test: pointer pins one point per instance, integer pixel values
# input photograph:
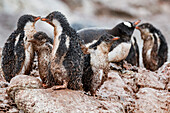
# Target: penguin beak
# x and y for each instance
(115, 38)
(136, 23)
(44, 19)
(48, 21)
(37, 18)
(137, 27)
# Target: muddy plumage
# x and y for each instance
(96, 65)
(66, 62)
(42, 45)
(17, 54)
(155, 49)
(120, 48)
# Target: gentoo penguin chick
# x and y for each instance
(120, 48)
(155, 49)
(133, 56)
(66, 62)
(96, 65)
(42, 45)
(17, 54)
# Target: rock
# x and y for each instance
(128, 9)
(149, 79)
(153, 101)
(21, 82)
(144, 78)
(6, 104)
(3, 84)
(115, 90)
(46, 100)
(130, 92)
(28, 96)
(168, 86)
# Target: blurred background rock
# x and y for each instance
(87, 13)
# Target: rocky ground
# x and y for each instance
(87, 13)
(129, 92)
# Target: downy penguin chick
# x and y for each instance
(133, 56)
(66, 62)
(120, 48)
(155, 49)
(96, 65)
(18, 54)
(42, 45)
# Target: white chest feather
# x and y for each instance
(120, 52)
(55, 46)
(58, 31)
(29, 32)
(99, 57)
(28, 56)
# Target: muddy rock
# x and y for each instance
(27, 93)
(22, 82)
(116, 90)
(46, 100)
(6, 104)
(131, 92)
(153, 101)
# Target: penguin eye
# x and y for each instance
(31, 19)
(107, 39)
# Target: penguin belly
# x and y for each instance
(120, 52)
(29, 55)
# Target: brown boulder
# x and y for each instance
(152, 101)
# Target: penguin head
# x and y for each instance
(108, 39)
(146, 30)
(25, 21)
(56, 19)
(125, 29)
(40, 39)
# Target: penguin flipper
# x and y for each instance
(8, 57)
(20, 54)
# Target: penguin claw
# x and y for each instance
(58, 87)
(64, 86)
(44, 85)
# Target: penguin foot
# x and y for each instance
(44, 85)
(64, 86)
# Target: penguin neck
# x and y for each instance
(29, 30)
(99, 56)
(57, 33)
(102, 48)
